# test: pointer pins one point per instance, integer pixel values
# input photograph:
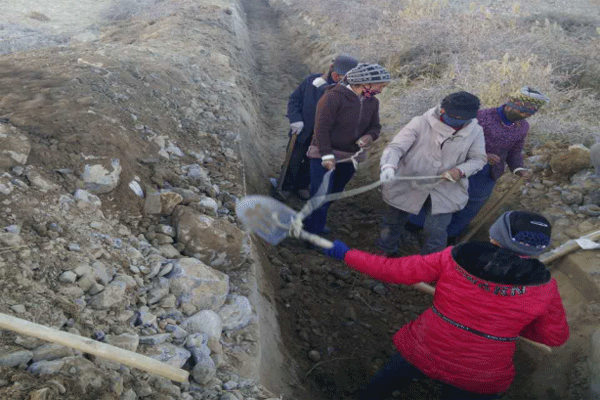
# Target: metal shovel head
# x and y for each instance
(268, 218)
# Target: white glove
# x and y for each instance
(387, 174)
(296, 127)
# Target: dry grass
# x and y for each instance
(491, 52)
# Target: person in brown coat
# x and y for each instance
(346, 122)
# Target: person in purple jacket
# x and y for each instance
(505, 129)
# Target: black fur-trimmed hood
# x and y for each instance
(498, 265)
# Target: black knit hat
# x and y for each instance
(461, 105)
(523, 232)
(343, 63)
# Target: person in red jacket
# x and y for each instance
(486, 296)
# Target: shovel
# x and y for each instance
(278, 190)
(274, 221)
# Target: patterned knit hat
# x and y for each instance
(523, 232)
(527, 100)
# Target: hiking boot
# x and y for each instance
(410, 240)
(303, 194)
(280, 195)
(413, 228)
(452, 240)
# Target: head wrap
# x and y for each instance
(528, 100)
(523, 232)
(461, 105)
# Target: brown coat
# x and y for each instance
(342, 118)
(428, 147)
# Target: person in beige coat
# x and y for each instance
(445, 141)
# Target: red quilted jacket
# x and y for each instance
(484, 288)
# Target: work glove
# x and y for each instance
(365, 141)
(328, 162)
(453, 175)
(296, 127)
(387, 174)
(338, 250)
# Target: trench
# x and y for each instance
(309, 303)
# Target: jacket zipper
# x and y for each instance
(359, 118)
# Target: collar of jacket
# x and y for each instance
(498, 265)
(433, 117)
(344, 90)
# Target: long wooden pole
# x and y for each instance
(94, 347)
(493, 209)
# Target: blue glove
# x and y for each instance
(338, 250)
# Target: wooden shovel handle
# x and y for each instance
(493, 209)
(94, 347)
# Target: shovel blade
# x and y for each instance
(266, 217)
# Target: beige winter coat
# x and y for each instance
(428, 147)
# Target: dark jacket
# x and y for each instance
(302, 103)
(342, 118)
(481, 287)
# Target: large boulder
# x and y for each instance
(216, 242)
(14, 147)
(206, 322)
(195, 283)
(236, 313)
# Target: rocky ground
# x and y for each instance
(126, 142)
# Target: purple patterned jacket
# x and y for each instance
(506, 141)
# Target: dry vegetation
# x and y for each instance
(434, 47)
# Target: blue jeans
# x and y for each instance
(481, 186)
(398, 373)
(392, 227)
(315, 222)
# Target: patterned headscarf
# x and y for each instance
(528, 100)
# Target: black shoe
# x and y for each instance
(409, 226)
(280, 195)
(303, 194)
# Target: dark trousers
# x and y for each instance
(392, 227)
(481, 186)
(398, 373)
(298, 173)
(315, 222)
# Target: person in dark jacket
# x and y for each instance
(346, 122)
(504, 130)
(486, 296)
(301, 109)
